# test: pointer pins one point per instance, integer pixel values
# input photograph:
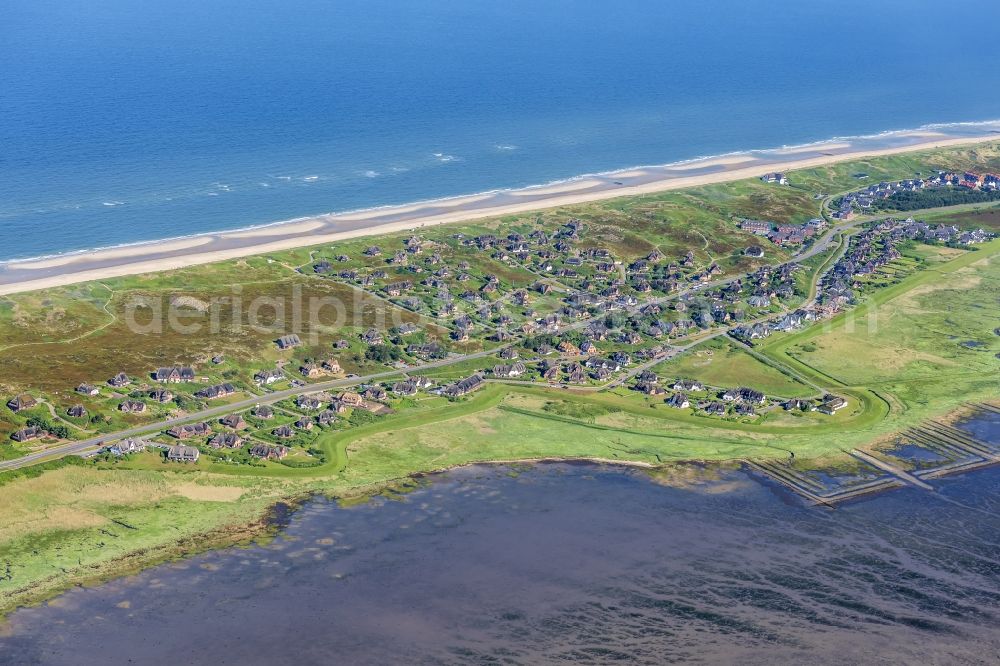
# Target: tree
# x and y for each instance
(383, 353)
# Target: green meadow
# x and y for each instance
(919, 346)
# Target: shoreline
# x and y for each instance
(265, 523)
(259, 525)
(182, 252)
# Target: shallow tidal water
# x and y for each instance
(566, 563)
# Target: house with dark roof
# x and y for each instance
(831, 404)
(715, 408)
(679, 400)
(190, 430)
(174, 374)
(182, 453)
(234, 421)
(509, 371)
(688, 385)
(308, 402)
(27, 434)
(744, 395)
(126, 446)
(120, 380)
(464, 386)
(326, 417)
(288, 341)
(216, 391)
(226, 440)
(132, 406)
(161, 395)
(269, 451)
(285, 432)
(268, 376)
(21, 402)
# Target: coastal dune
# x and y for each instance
(27, 275)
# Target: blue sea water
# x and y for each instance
(131, 120)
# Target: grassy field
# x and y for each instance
(721, 363)
(927, 344)
(914, 350)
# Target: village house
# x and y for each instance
(310, 370)
(715, 409)
(350, 399)
(332, 366)
(405, 388)
(269, 451)
(372, 337)
(267, 377)
(284, 432)
(605, 363)
(308, 403)
(509, 371)
(601, 374)
(775, 177)
(648, 377)
(745, 409)
(744, 394)
(19, 403)
(87, 389)
(397, 288)
(234, 421)
(375, 393)
(216, 391)
(509, 354)
(831, 404)
(631, 338)
(688, 385)
(568, 348)
(263, 412)
(182, 453)
(27, 434)
(226, 440)
(77, 411)
(795, 403)
(132, 407)
(120, 380)
(304, 423)
(326, 417)
(464, 386)
(174, 374)
(126, 446)
(190, 430)
(422, 382)
(679, 400)
(288, 341)
(756, 227)
(161, 395)
(649, 388)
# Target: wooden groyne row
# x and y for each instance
(814, 491)
(962, 451)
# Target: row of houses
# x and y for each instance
(864, 200)
(780, 234)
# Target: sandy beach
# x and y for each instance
(28, 275)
